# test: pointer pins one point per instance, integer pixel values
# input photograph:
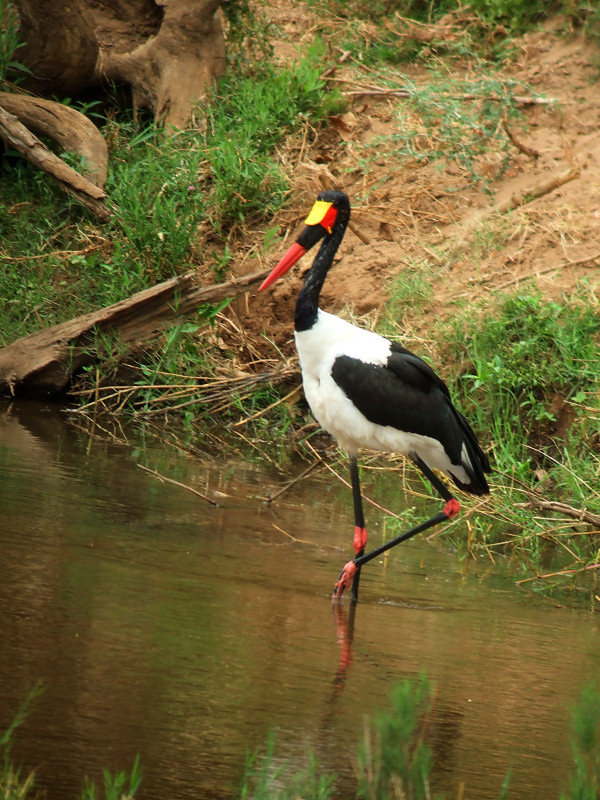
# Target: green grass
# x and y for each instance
(395, 761)
(523, 364)
(525, 355)
(163, 189)
(17, 785)
(409, 291)
(436, 123)
(10, 41)
(584, 783)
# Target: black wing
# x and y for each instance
(407, 394)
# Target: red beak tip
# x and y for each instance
(289, 259)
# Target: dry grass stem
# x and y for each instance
(164, 479)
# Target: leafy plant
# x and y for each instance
(264, 781)
(16, 786)
(253, 114)
(13, 784)
(120, 786)
(393, 759)
(528, 350)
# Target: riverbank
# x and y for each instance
(469, 147)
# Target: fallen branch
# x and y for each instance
(523, 148)
(320, 545)
(516, 199)
(370, 90)
(70, 129)
(16, 135)
(543, 187)
(580, 514)
(260, 413)
(560, 572)
(311, 468)
(45, 362)
(580, 262)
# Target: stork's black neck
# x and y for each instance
(307, 304)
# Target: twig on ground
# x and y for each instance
(529, 151)
(370, 90)
(580, 514)
(543, 187)
(257, 414)
(304, 541)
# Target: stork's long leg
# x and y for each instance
(452, 505)
(451, 509)
(360, 531)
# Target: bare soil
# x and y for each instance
(433, 213)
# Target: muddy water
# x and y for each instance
(162, 626)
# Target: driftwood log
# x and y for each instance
(46, 362)
(16, 135)
(168, 53)
(71, 130)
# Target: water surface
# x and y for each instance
(162, 626)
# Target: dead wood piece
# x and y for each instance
(580, 514)
(72, 131)
(543, 187)
(519, 198)
(16, 135)
(173, 70)
(372, 90)
(523, 148)
(168, 51)
(45, 362)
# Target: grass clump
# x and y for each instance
(394, 760)
(531, 382)
(530, 349)
(250, 119)
(454, 120)
(10, 41)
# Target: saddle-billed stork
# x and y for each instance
(370, 392)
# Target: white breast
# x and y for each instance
(318, 348)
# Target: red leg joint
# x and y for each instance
(360, 540)
(452, 508)
(345, 579)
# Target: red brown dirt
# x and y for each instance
(414, 215)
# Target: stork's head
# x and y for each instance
(319, 224)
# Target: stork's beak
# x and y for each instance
(294, 254)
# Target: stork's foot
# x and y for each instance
(345, 579)
(360, 540)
